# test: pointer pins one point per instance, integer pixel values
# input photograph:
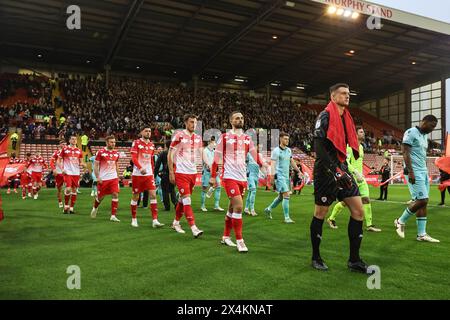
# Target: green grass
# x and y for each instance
(38, 243)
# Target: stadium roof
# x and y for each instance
(265, 41)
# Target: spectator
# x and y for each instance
(86, 179)
(14, 137)
(385, 172)
(84, 142)
(444, 176)
(62, 120)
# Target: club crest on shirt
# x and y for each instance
(324, 199)
(232, 191)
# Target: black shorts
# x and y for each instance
(326, 191)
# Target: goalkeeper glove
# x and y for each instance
(343, 179)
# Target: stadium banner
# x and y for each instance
(4, 159)
(383, 12)
(10, 171)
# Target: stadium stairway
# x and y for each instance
(56, 92)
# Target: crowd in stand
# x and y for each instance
(92, 109)
(128, 104)
(36, 87)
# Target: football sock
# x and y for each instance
(178, 211)
(336, 210)
(114, 206)
(355, 234)
(285, 205)
(217, 197)
(406, 215)
(275, 202)
(237, 224)
(202, 199)
(133, 206)
(421, 226)
(154, 208)
(228, 224)
(368, 214)
(316, 237)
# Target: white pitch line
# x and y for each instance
(402, 202)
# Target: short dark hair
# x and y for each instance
(72, 135)
(110, 138)
(28, 154)
(430, 118)
(212, 138)
(143, 127)
(336, 86)
(189, 116)
(233, 113)
(359, 127)
(284, 134)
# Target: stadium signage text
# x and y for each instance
(363, 7)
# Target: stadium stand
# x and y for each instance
(123, 108)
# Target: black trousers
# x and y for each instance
(384, 192)
(168, 191)
(443, 194)
(144, 199)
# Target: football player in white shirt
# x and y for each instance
(185, 149)
(106, 170)
(231, 150)
(70, 159)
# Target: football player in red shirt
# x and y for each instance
(106, 170)
(70, 159)
(25, 178)
(186, 148)
(57, 171)
(231, 150)
(37, 165)
(142, 178)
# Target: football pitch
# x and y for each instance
(38, 243)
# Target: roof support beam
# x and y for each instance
(133, 10)
(308, 55)
(284, 39)
(365, 74)
(262, 14)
